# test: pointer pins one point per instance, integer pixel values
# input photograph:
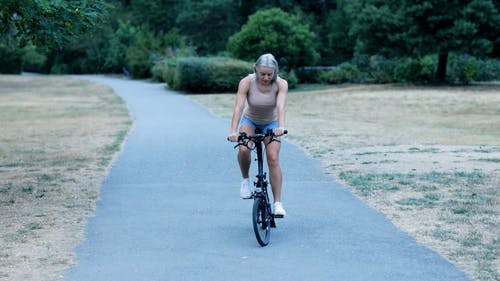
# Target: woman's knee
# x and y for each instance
(273, 159)
(244, 152)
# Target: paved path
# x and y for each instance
(170, 210)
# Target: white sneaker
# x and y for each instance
(279, 211)
(245, 190)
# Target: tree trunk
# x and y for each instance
(441, 70)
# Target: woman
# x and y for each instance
(265, 93)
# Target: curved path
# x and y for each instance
(170, 210)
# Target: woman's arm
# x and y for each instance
(280, 105)
(239, 106)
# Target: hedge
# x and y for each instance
(205, 74)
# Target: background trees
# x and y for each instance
(419, 28)
(44, 23)
(372, 40)
(276, 32)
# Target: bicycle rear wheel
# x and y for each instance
(261, 221)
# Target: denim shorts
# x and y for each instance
(245, 121)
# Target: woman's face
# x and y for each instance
(265, 74)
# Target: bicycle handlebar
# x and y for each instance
(243, 138)
(269, 133)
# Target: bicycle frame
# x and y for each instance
(261, 184)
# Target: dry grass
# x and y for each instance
(58, 137)
(426, 157)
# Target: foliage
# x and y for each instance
(277, 32)
(157, 15)
(10, 59)
(466, 69)
(50, 23)
(415, 70)
(387, 41)
(208, 74)
(140, 55)
(208, 24)
(346, 72)
(415, 29)
(123, 37)
(340, 45)
(291, 78)
(34, 59)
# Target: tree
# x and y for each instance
(157, 15)
(274, 31)
(209, 23)
(339, 46)
(419, 28)
(49, 23)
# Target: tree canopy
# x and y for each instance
(49, 23)
(419, 28)
(108, 35)
(276, 32)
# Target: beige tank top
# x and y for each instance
(261, 107)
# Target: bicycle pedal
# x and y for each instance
(278, 216)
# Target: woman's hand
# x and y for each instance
(233, 137)
(279, 131)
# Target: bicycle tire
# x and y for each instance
(261, 221)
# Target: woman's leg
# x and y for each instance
(244, 157)
(273, 162)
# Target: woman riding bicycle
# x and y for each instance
(265, 93)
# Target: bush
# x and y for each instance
(142, 54)
(139, 61)
(380, 70)
(465, 69)
(311, 74)
(33, 59)
(206, 74)
(416, 70)
(157, 71)
(490, 70)
(168, 73)
(345, 72)
(291, 78)
(10, 59)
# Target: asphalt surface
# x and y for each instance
(170, 210)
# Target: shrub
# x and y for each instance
(206, 74)
(10, 59)
(139, 61)
(157, 71)
(465, 69)
(291, 78)
(125, 35)
(380, 70)
(489, 70)
(168, 73)
(416, 70)
(345, 72)
(33, 59)
(143, 54)
(311, 74)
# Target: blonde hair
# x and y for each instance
(267, 60)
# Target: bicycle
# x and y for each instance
(262, 215)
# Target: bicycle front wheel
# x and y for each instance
(261, 221)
